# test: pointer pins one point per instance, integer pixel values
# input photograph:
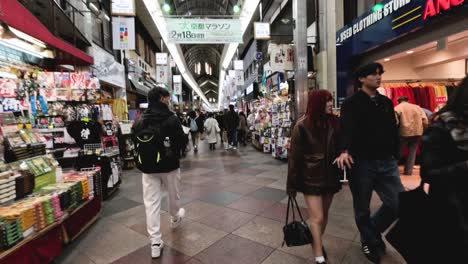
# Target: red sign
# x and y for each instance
(434, 7)
(441, 99)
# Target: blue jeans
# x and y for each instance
(382, 176)
(232, 137)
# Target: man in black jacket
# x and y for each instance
(231, 120)
(370, 148)
(158, 113)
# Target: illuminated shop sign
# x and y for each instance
(435, 7)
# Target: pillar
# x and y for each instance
(300, 59)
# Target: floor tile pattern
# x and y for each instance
(236, 208)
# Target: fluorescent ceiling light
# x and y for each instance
(94, 7)
(16, 45)
(106, 17)
(27, 37)
(248, 9)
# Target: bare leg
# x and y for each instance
(326, 203)
(316, 221)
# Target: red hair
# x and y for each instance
(316, 107)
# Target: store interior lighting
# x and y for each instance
(387, 59)
(248, 9)
(158, 18)
(20, 41)
(409, 52)
(166, 8)
(93, 7)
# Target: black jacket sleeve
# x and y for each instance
(436, 162)
(395, 133)
(177, 133)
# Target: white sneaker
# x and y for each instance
(175, 222)
(156, 250)
(235, 148)
(229, 147)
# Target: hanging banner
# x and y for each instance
(207, 31)
(123, 32)
(261, 30)
(106, 69)
(161, 58)
(282, 57)
(162, 74)
(239, 65)
(239, 78)
(177, 83)
(123, 7)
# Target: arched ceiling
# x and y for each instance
(210, 54)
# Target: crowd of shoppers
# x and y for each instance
(364, 142)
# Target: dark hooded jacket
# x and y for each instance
(171, 128)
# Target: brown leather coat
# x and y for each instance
(312, 152)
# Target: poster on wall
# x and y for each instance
(177, 83)
(123, 33)
(239, 78)
(123, 7)
(204, 31)
(281, 57)
(162, 74)
(105, 68)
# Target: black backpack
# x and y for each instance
(153, 150)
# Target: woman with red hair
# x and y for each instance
(310, 168)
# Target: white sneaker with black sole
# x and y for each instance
(156, 250)
(176, 221)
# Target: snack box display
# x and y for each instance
(10, 233)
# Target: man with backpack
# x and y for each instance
(158, 138)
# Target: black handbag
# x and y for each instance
(296, 233)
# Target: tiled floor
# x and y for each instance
(235, 204)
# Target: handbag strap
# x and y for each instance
(290, 205)
(298, 209)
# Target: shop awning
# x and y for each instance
(140, 88)
(16, 15)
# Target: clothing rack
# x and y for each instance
(422, 80)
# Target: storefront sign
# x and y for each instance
(239, 78)
(177, 83)
(161, 58)
(434, 7)
(249, 89)
(123, 7)
(162, 74)
(282, 57)
(123, 30)
(204, 30)
(239, 65)
(105, 68)
(261, 30)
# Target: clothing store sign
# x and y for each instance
(435, 7)
(123, 33)
(205, 31)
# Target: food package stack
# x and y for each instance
(56, 206)
(39, 215)
(10, 232)
(91, 185)
(24, 184)
(85, 188)
(48, 210)
(65, 199)
(7, 187)
(22, 211)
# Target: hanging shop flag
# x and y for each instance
(204, 30)
(123, 7)
(162, 74)
(261, 30)
(239, 78)
(282, 57)
(161, 58)
(106, 69)
(239, 65)
(177, 83)
(123, 32)
(232, 74)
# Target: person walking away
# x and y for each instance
(220, 119)
(158, 138)
(242, 128)
(412, 121)
(212, 131)
(231, 120)
(444, 166)
(370, 148)
(310, 164)
(201, 124)
(194, 130)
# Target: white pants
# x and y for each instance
(152, 191)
